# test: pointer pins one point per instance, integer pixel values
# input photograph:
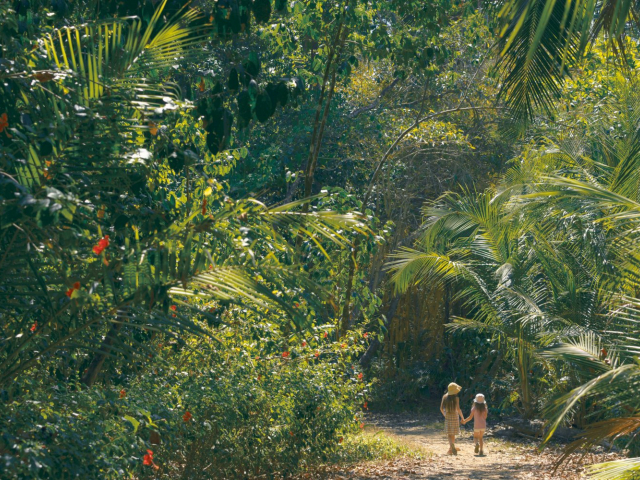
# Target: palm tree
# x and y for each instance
(532, 262)
(550, 261)
(468, 241)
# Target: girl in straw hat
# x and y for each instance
(450, 408)
(479, 413)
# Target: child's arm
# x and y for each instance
(442, 409)
(459, 411)
(470, 416)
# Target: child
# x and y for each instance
(479, 413)
(450, 408)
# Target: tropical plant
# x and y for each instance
(549, 261)
(102, 224)
(541, 40)
(527, 261)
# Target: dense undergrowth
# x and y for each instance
(212, 410)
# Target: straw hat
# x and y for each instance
(453, 389)
(479, 398)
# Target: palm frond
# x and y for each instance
(585, 352)
(536, 44)
(109, 56)
(625, 469)
(613, 382)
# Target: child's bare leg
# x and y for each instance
(480, 440)
(452, 441)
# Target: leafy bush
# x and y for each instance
(225, 411)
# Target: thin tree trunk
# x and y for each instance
(523, 361)
(316, 141)
(320, 118)
(99, 358)
(315, 150)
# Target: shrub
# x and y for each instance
(208, 410)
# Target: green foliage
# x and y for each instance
(159, 318)
(256, 400)
(540, 40)
(546, 263)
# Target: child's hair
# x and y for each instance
(481, 407)
(449, 401)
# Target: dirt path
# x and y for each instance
(515, 459)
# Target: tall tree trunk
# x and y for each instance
(322, 108)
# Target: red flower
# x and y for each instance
(344, 345)
(365, 334)
(173, 307)
(340, 440)
(102, 244)
(148, 458)
(291, 433)
(325, 334)
(204, 206)
(34, 326)
(362, 425)
(296, 304)
(76, 286)
(360, 376)
(4, 122)
(304, 344)
(317, 354)
(366, 405)
(187, 416)
(285, 354)
(123, 393)
(259, 377)
(603, 352)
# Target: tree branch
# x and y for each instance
(377, 101)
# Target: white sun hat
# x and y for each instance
(479, 398)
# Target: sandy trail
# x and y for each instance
(518, 459)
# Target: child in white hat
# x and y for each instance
(479, 412)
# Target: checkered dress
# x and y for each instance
(451, 423)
